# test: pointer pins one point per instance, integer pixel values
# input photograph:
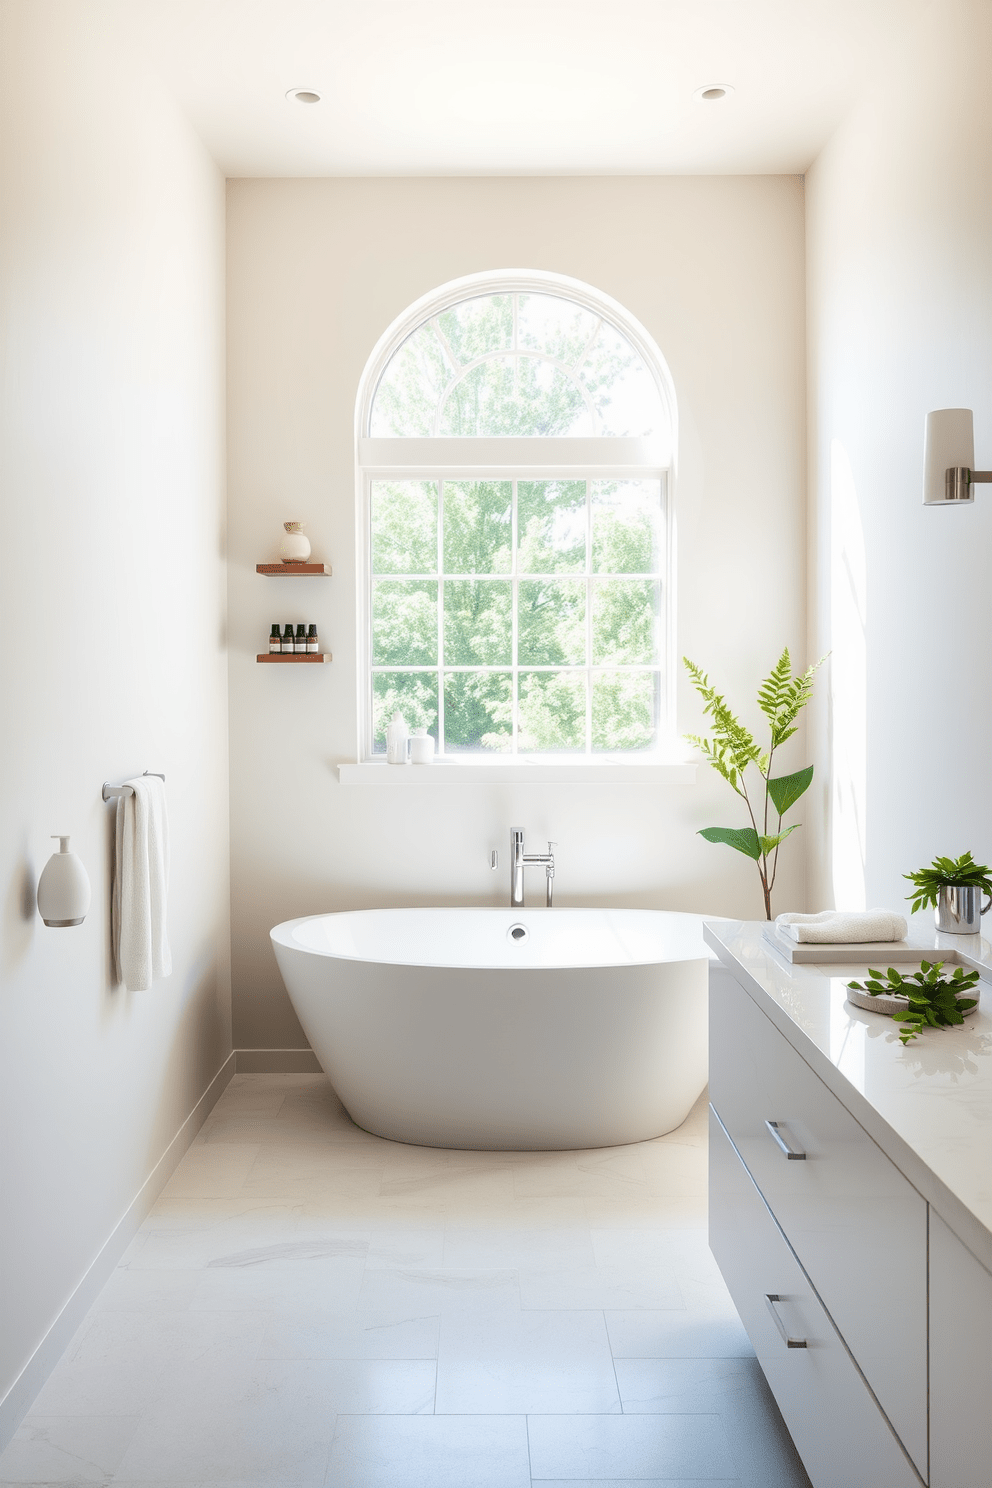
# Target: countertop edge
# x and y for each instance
(966, 1225)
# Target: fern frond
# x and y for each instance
(773, 692)
(732, 742)
(782, 697)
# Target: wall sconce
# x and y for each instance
(63, 888)
(948, 455)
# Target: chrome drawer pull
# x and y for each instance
(770, 1299)
(792, 1153)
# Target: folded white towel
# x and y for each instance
(141, 883)
(842, 927)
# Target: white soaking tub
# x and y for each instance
(500, 1029)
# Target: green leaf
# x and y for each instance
(786, 789)
(743, 839)
(769, 844)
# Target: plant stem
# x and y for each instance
(762, 871)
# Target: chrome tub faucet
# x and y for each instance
(519, 860)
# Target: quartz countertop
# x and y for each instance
(928, 1105)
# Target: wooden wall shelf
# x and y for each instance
(293, 570)
(288, 660)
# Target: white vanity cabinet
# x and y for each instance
(847, 1210)
(870, 1316)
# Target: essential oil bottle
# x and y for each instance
(312, 643)
(300, 644)
(288, 644)
(275, 640)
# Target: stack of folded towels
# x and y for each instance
(843, 927)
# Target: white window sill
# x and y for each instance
(475, 771)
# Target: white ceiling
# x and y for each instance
(490, 87)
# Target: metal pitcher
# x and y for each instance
(960, 909)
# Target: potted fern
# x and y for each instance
(954, 886)
(733, 751)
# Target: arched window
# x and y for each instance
(516, 442)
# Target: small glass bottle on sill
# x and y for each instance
(312, 643)
(287, 641)
(275, 640)
(300, 644)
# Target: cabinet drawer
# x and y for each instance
(858, 1227)
(960, 1363)
(839, 1431)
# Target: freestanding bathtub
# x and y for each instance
(500, 1029)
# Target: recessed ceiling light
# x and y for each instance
(713, 92)
(304, 95)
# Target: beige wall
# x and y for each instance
(900, 322)
(316, 271)
(113, 589)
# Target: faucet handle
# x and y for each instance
(494, 859)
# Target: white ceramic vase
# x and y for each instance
(295, 546)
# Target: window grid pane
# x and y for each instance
(606, 697)
(462, 371)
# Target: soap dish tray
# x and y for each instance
(886, 1003)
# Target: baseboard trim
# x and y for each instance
(22, 1392)
(277, 1062)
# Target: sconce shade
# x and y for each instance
(63, 889)
(949, 443)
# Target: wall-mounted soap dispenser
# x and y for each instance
(63, 888)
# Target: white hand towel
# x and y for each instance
(141, 883)
(843, 927)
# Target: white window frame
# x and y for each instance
(505, 458)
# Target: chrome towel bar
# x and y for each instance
(113, 792)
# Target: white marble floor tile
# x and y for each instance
(455, 1184)
(66, 1449)
(648, 1212)
(391, 1296)
(212, 1172)
(347, 1336)
(278, 1426)
(671, 1334)
(399, 1246)
(147, 1291)
(289, 1172)
(615, 1287)
(221, 1243)
(260, 1092)
(126, 1362)
(202, 1483)
(629, 1447)
(315, 1286)
(188, 1214)
(429, 1452)
(672, 1168)
(680, 1386)
(608, 1172)
(523, 1363)
(736, 1390)
(684, 1254)
(498, 1245)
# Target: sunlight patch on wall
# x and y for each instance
(848, 685)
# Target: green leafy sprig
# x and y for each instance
(731, 749)
(962, 872)
(934, 1001)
